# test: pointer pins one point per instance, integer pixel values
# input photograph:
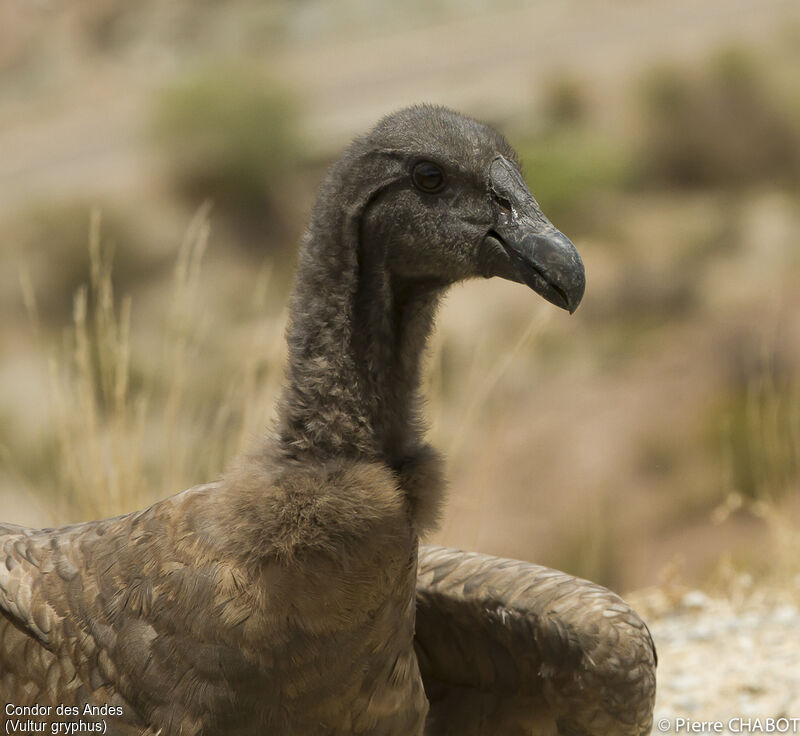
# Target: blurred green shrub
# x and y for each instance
(564, 101)
(565, 166)
(756, 422)
(48, 242)
(110, 25)
(592, 547)
(228, 136)
(716, 127)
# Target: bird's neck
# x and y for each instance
(356, 340)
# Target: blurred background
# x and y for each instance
(158, 162)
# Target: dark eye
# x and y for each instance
(428, 177)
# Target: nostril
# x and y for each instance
(504, 203)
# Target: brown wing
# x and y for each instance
(507, 647)
(85, 611)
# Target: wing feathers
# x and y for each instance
(530, 640)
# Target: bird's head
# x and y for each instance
(448, 202)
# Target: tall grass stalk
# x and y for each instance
(182, 322)
(485, 385)
(125, 440)
(761, 462)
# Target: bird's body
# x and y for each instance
(281, 599)
(160, 615)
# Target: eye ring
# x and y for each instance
(428, 177)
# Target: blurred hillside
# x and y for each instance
(656, 432)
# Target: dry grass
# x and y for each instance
(123, 440)
(762, 468)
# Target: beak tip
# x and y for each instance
(576, 297)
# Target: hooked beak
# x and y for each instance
(525, 247)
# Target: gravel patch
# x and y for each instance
(725, 667)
